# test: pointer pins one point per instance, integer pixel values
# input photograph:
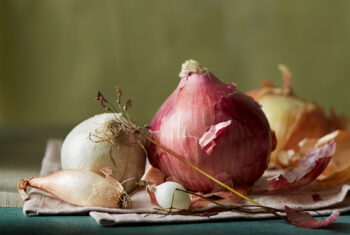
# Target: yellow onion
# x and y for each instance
(291, 117)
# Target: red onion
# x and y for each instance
(214, 126)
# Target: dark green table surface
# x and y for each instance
(12, 221)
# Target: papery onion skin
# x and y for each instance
(237, 154)
(84, 148)
(303, 219)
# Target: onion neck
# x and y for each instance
(192, 66)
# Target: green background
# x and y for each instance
(54, 55)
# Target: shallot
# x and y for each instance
(79, 187)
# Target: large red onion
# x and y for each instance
(214, 126)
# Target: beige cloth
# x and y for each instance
(140, 210)
(9, 177)
(10, 199)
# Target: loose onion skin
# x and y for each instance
(214, 126)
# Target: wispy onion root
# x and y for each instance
(121, 130)
(79, 187)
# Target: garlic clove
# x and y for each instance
(79, 187)
(169, 198)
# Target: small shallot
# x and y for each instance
(79, 187)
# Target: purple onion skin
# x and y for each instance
(241, 151)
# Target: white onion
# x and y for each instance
(84, 149)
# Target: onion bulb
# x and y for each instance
(214, 126)
(97, 142)
(169, 198)
(79, 187)
(291, 117)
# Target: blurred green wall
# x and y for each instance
(54, 55)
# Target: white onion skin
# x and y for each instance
(242, 151)
(80, 152)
